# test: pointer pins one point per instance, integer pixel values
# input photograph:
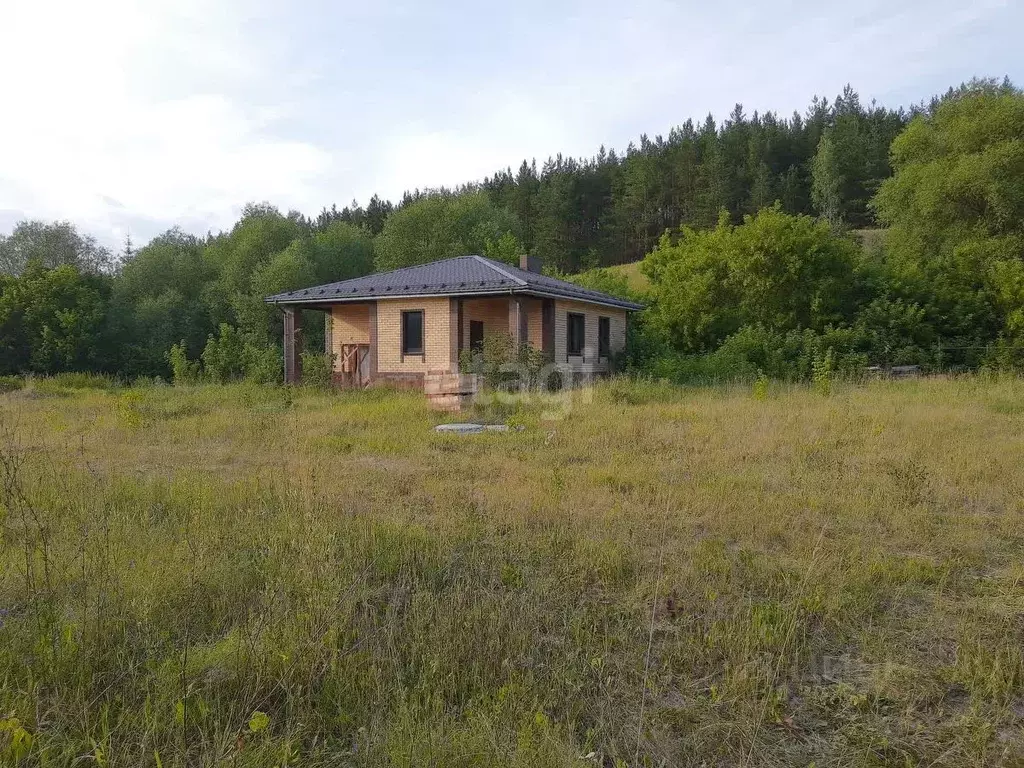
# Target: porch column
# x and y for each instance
(372, 352)
(517, 322)
(328, 334)
(454, 333)
(292, 345)
(547, 331)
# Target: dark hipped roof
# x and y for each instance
(461, 276)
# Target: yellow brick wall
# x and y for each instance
(350, 324)
(436, 336)
(494, 315)
(591, 313)
(534, 322)
(492, 312)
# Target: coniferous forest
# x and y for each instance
(769, 245)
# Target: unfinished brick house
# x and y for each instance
(406, 325)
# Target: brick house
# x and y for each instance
(405, 325)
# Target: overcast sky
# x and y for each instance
(137, 115)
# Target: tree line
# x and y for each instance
(753, 232)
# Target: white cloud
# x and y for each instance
(148, 113)
(131, 102)
(499, 130)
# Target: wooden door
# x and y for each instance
(355, 365)
(363, 369)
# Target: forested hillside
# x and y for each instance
(612, 208)
(752, 265)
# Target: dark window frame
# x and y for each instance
(408, 351)
(578, 321)
(604, 337)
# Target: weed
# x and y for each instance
(822, 369)
(760, 389)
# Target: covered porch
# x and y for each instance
(403, 341)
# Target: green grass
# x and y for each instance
(248, 576)
(637, 280)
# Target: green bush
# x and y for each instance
(232, 355)
(502, 365)
(894, 332)
(224, 355)
(821, 372)
(317, 369)
(183, 370)
(754, 352)
(262, 364)
(11, 383)
(1003, 356)
(774, 270)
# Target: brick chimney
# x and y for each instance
(530, 263)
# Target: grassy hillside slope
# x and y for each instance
(637, 280)
(250, 577)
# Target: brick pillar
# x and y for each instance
(328, 334)
(547, 333)
(454, 333)
(292, 346)
(373, 341)
(517, 322)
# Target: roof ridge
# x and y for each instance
(532, 277)
(493, 265)
(392, 271)
(335, 285)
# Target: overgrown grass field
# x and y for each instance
(245, 576)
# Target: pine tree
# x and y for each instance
(711, 178)
(762, 192)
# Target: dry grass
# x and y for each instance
(832, 580)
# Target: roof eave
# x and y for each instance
(375, 296)
(610, 301)
(525, 290)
